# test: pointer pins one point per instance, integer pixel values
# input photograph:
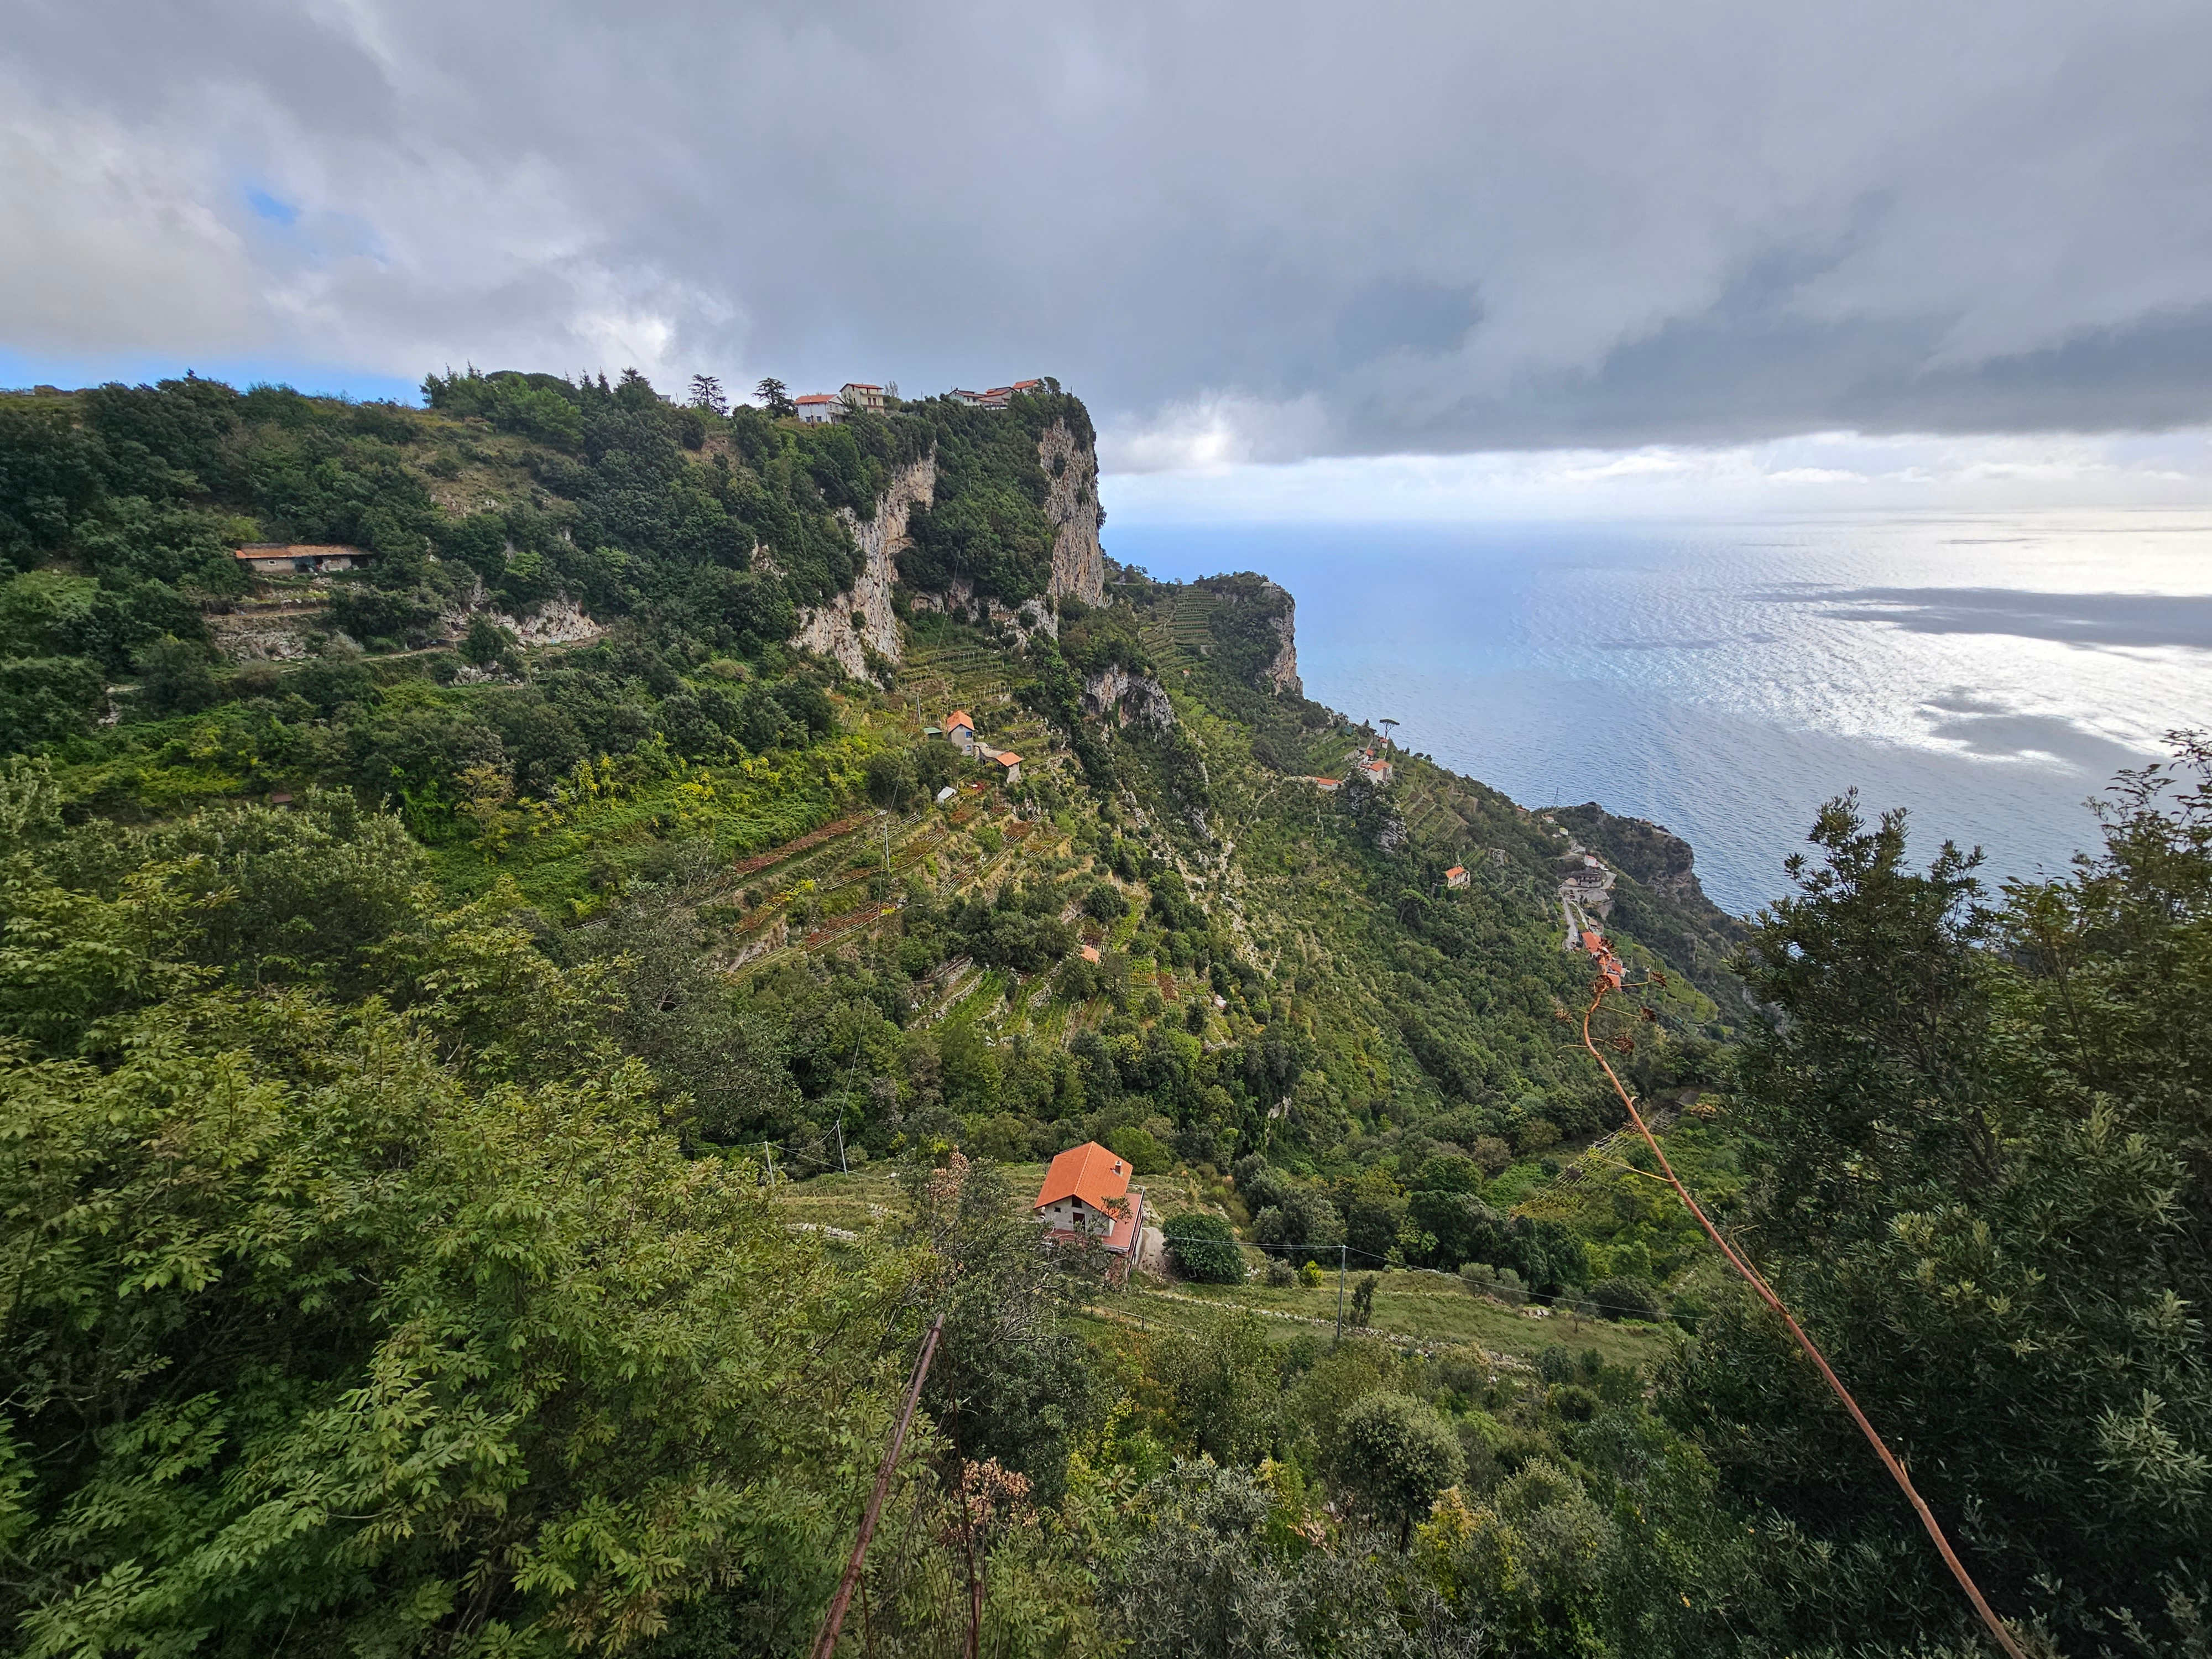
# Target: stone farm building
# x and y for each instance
(1456, 876)
(299, 558)
(1086, 1190)
(999, 396)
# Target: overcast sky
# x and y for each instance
(1597, 232)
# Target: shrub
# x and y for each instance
(1280, 1273)
(1625, 1296)
(1204, 1248)
(1394, 1453)
(1493, 1155)
(1310, 1275)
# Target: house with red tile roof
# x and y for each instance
(1456, 876)
(820, 409)
(960, 730)
(999, 396)
(1086, 1191)
(1012, 763)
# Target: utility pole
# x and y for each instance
(1339, 1292)
(841, 1169)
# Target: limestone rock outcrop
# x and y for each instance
(559, 620)
(959, 599)
(1283, 672)
(1070, 470)
(850, 624)
(1114, 693)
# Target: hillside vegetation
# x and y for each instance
(502, 1054)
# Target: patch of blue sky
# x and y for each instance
(19, 368)
(272, 210)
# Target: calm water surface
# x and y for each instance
(1990, 674)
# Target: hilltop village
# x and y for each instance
(595, 987)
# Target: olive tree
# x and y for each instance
(1393, 1454)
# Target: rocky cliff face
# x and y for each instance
(1283, 672)
(1655, 856)
(959, 599)
(1116, 694)
(1079, 562)
(861, 620)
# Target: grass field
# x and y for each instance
(1417, 1307)
(1426, 1309)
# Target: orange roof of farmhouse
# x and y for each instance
(959, 717)
(1089, 1172)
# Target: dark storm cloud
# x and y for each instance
(1341, 229)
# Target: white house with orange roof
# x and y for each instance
(1086, 1191)
(1456, 876)
(960, 730)
(820, 409)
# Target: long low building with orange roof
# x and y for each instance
(1086, 1190)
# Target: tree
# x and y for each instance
(1011, 1381)
(298, 1354)
(1394, 1453)
(1204, 1248)
(1628, 1296)
(890, 781)
(1979, 1127)
(175, 678)
(706, 394)
(486, 641)
(1222, 1380)
(1363, 1299)
(775, 397)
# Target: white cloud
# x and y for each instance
(1813, 472)
(1426, 226)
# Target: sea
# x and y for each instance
(1990, 674)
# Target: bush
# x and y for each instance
(1625, 1296)
(1204, 1248)
(1395, 1453)
(1280, 1273)
(1310, 1275)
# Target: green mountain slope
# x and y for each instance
(505, 1046)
